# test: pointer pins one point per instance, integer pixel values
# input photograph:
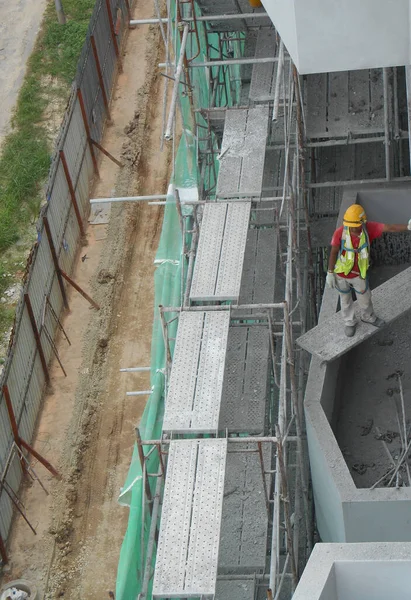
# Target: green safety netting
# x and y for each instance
(168, 289)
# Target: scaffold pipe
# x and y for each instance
(169, 129)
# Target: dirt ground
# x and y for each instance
(86, 428)
(19, 25)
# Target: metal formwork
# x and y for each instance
(189, 539)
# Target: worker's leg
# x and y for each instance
(363, 293)
(346, 301)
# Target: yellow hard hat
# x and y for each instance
(354, 216)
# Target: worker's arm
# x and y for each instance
(397, 228)
(330, 279)
(332, 258)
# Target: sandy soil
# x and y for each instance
(87, 424)
(19, 25)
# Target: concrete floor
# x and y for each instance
(370, 394)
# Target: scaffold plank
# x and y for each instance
(175, 525)
(328, 341)
(220, 256)
(262, 73)
(208, 251)
(242, 152)
(207, 401)
(202, 559)
(183, 378)
(188, 546)
(196, 380)
(252, 168)
(231, 148)
(232, 251)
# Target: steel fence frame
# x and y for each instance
(71, 165)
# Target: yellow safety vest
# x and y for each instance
(346, 257)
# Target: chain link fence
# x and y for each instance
(60, 228)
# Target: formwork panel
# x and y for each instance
(243, 545)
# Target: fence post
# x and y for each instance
(87, 128)
(100, 76)
(13, 422)
(113, 36)
(37, 337)
(3, 553)
(55, 261)
(72, 191)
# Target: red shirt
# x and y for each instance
(374, 231)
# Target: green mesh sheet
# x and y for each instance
(168, 289)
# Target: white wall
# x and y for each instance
(335, 35)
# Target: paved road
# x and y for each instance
(19, 25)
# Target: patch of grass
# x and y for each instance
(25, 156)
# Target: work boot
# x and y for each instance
(377, 323)
(349, 330)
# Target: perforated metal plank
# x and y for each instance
(202, 559)
(231, 152)
(243, 545)
(208, 251)
(180, 396)
(255, 139)
(316, 109)
(262, 74)
(170, 571)
(207, 399)
(232, 251)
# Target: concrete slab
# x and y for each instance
(328, 341)
(238, 589)
(373, 571)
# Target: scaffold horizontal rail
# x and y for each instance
(189, 539)
(328, 341)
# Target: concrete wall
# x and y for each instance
(330, 35)
(345, 513)
(371, 571)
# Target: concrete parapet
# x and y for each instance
(346, 512)
(370, 571)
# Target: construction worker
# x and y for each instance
(349, 261)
